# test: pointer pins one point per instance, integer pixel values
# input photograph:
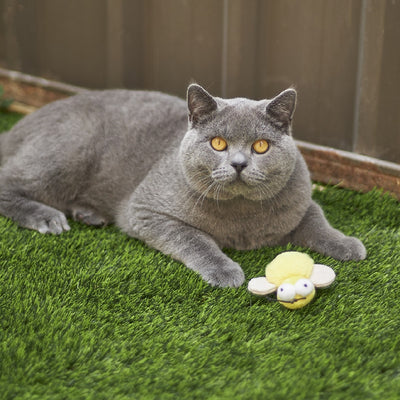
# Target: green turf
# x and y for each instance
(7, 119)
(93, 314)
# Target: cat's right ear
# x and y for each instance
(200, 103)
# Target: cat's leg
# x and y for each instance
(194, 248)
(315, 232)
(31, 214)
(88, 216)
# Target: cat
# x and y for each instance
(187, 178)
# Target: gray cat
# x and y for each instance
(230, 177)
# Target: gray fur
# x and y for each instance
(131, 158)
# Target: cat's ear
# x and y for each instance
(200, 103)
(281, 108)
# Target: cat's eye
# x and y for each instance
(218, 143)
(260, 146)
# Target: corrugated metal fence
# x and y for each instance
(343, 56)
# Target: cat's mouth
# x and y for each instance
(231, 184)
(240, 178)
(227, 183)
(242, 181)
(228, 176)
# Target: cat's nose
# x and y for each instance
(239, 161)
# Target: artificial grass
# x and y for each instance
(94, 314)
(8, 119)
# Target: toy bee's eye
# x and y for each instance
(304, 287)
(219, 144)
(286, 292)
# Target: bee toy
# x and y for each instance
(294, 277)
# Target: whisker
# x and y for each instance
(191, 193)
(270, 197)
(204, 194)
(220, 187)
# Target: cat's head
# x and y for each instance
(238, 147)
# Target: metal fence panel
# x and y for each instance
(342, 55)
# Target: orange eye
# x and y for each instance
(219, 144)
(260, 146)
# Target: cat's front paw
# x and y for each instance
(349, 248)
(229, 274)
(47, 220)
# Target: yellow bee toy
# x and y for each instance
(294, 276)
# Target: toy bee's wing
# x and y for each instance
(261, 286)
(322, 275)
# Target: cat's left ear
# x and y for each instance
(281, 108)
(200, 103)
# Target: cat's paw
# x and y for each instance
(88, 217)
(49, 221)
(226, 275)
(349, 248)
